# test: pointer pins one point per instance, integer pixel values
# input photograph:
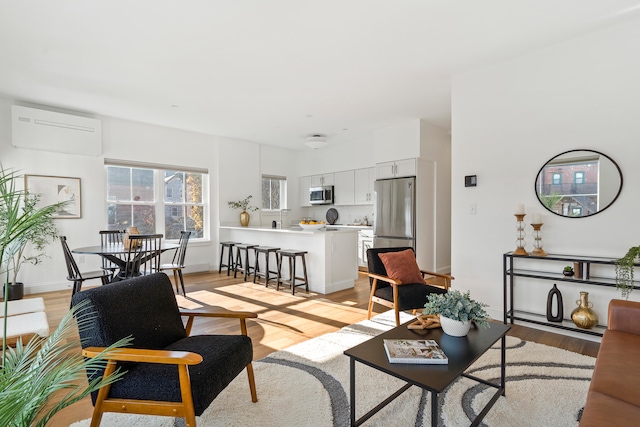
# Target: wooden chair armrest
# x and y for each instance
(384, 278)
(218, 312)
(431, 273)
(166, 357)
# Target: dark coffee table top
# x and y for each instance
(461, 351)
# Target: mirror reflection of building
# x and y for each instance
(578, 183)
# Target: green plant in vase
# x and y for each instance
(458, 306)
(624, 271)
(39, 234)
(245, 205)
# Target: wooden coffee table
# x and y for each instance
(462, 352)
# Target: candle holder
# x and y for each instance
(520, 233)
(537, 241)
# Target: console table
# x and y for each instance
(515, 266)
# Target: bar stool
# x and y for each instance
(267, 251)
(291, 255)
(239, 266)
(229, 264)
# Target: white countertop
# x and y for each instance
(293, 229)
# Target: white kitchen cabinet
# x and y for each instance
(305, 184)
(363, 181)
(322, 180)
(343, 188)
(397, 169)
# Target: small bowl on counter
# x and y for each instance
(311, 226)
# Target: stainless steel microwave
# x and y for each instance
(321, 195)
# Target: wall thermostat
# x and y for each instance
(470, 181)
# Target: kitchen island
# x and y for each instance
(331, 258)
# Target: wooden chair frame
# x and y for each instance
(182, 359)
(396, 284)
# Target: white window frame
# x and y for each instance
(283, 193)
(159, 203)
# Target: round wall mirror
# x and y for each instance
(578, 183)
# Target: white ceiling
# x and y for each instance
(273, 71)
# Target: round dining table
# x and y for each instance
(114, 252)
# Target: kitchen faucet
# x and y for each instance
(282, 210)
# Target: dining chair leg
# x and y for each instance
(182, 282)
(175, 280)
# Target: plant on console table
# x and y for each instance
(245, 206)
(457, 310)
(624, 271)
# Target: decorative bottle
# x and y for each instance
(554, 292)
(583, 316)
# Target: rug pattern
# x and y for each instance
(308, 384)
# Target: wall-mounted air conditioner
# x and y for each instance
(50, 131)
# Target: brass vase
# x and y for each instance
(583, 316)
(244, 218)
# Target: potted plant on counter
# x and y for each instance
(457, 311)
(624, 271)
(245, 206)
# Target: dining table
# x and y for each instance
(114, 253)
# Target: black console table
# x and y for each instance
(514, 266)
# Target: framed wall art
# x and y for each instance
(55, 189)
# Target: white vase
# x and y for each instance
(455, 328)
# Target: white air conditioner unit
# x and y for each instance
(50, 131)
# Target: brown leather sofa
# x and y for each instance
(614, 394)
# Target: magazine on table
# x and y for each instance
(415, 351)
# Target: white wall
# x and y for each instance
(236, 161)
(339, 156)
(435, 146)
(508, 120)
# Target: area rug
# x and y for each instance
(308, 385)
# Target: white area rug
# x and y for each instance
(308, 385)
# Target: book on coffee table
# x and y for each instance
(415, 351)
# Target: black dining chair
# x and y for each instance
(110, 238)
(74, 274)
(143, 254)
(177, 264)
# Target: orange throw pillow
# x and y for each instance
(402, 266)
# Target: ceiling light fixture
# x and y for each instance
(316, 141)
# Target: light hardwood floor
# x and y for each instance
(283, 319)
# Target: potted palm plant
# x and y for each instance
(32, 373)
(245, 206)
(457, 311)
(41, 232)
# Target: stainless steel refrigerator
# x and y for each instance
(395, 221)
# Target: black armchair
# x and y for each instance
(393, 293)
(167, 371)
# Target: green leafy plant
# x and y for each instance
(624, 271)
(39, 234)
(46, 375)
(16, 225)
(457, 306)
(243, 204)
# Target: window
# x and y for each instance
(274, 192)
(578, 177)
(156, 199)
(556, 178)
